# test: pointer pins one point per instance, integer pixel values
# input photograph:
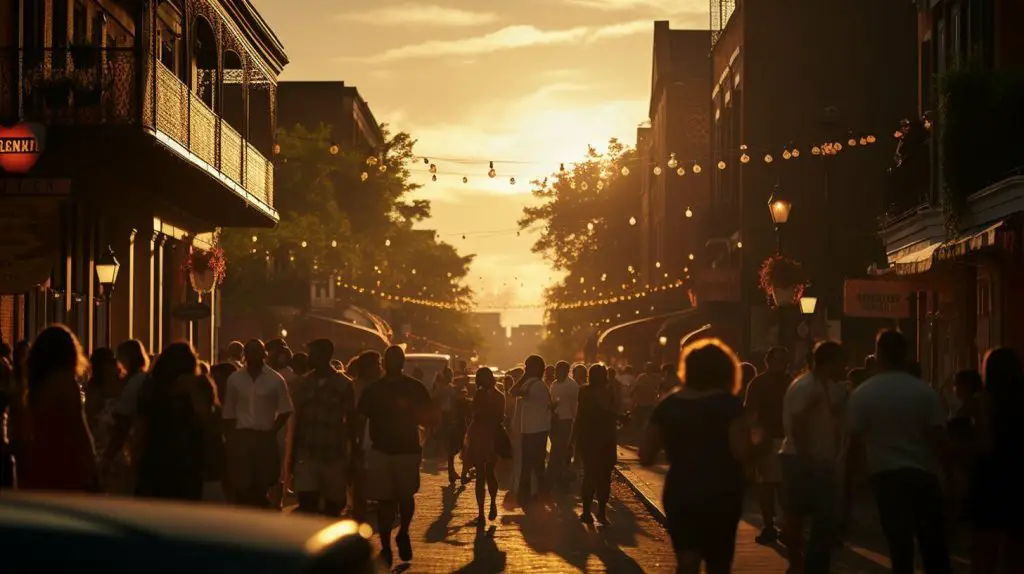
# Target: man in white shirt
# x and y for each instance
(809, 456)
(565, 394)
(900, 421)
(256, 407)
(535, 424)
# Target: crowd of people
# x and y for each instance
(266, 422)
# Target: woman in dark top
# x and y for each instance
(481, 450)
(996, 504)
(593, 434)
(173, 458)
(702, 429)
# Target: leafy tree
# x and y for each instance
(345, 215)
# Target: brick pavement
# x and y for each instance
(446, 538)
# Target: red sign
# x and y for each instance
(876, 298)
(21, 146)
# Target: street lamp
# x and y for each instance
(106, 274)
(808, 304)
(779, 207)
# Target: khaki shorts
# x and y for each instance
(391, 476)
(768, 468)
(326, 478)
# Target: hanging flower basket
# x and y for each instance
(782, 279)
(205, 268)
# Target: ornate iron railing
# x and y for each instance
(89, 86)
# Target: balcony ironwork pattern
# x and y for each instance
(101, 87)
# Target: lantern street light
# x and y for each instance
(779, 207)
(808, 304)
(106, 274)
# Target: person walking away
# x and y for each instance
(448, 399)
(810, 456)
(701, 428)
(644, 396)
(172, 429)
(997, 503)
(514, 417)
(856, 458)
(324, 400)
(101, 399)
(134, 361)
(482, 439)
(367, 370)
(579, 374)
(900, 420)
(58, 450)
(962, 430)
(763, 405)
(535, 425)
(594, 433)
(210, 416)
(257, 406)
(395, 408)
(565, 394)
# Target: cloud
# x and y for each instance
(510, 38)
(663, 6)
(421, 15)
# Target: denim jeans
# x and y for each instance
(910, 504)
(535, 447)
(812, 491)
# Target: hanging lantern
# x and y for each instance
(364, 176)
(625, 171)
(657, 170)
(672, 161)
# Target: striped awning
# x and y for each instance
(914, 260)
(972, 241)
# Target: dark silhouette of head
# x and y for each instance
(394, 360)
(830, 360)
(485, 378)
(561, 370)
(892, 352)
(709, 364)
(321, 352)
(534, 366)
(776, 360)
(255, 354)
(597, 376)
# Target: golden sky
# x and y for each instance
(531, 82)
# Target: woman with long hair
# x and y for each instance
(58, 451)
(593, 435)
(481, 451)
(534, 427)
(702, 429)
(134, 362)
(173, 428)
(996, 505)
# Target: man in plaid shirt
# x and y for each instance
(323, 401)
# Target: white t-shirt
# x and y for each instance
(808, 394)
(566, 392)
(128, 402)
(255, 404)
(535, 407)
(895, 412)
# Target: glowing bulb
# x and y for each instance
(739, 245)
(657, 170)
(795, 153)
(582, 280)
(433, 178)
(871, 139)
(433, 168)
(604, 276)
(632, 221)
(863, 141)
(681, 172)
(364, 176)
(584, 186)
(465, 179)
(838, 146)
(371, 161)
(625, 171)
(277, 149)
(621, 349)
(721, 164)
(334, 243)
(572, 185)
(663, 340)
(512, 180)
(657, 264)
(691, 257)
(492, 173)
(387, 243)
(255, 239)
(852, 142)
(382, 168)
(744, 158)
(697, 168)
(284, 333)
(334, 149)
(672, 161)
(600, 184)
(786, 154)
(815, 150)
(590, 226)
(304, 244)
(689, 212)
(768, 158)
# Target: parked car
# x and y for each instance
(429, 363)
(55, 533)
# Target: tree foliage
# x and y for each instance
(346, 217)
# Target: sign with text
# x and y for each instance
(20, 146)
(880, 299)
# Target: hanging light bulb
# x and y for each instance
(863, 140)
(590, 226)
(815, 150)
(744, 158)
(871, 139)
(672, 161)
(625, 171)
(600, 184)
(465, 179)
(795, 152)
(387, 243)
(561, 167)
(371, 160)
(426, 161)
(604, 276)
(364, 176)
(632, 221)
(721, 164)
(697, 168)
(768, 158)
(657, 170)
(786, 154)
(657, 264)
(838, 147)
(255, 239)
(334, 243)
(433, 168)
(572, 185)
(691, 257)
(689, 212)
(584, 186)
(492, 174)
(383, 167)
(334, 149)
(852, 142)
(433, 178)
(277, 149)
(304, 244)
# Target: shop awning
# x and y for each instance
(974, 240)
(915, 259)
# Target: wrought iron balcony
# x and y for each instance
(88, 86)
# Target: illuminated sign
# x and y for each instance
(20, 146)
(880, 299)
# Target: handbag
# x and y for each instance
(502, 443)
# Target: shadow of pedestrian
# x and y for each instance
(440, 529)
(487, 559)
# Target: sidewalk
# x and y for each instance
(863, 551)
(446, 538)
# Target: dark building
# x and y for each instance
(952, 226)
(333, 104)
(789, 77)
(159, 120)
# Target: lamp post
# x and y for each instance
(106, 274)
(779, 208)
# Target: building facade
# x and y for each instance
(787, 78)
(333, 104)
(155, 122)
